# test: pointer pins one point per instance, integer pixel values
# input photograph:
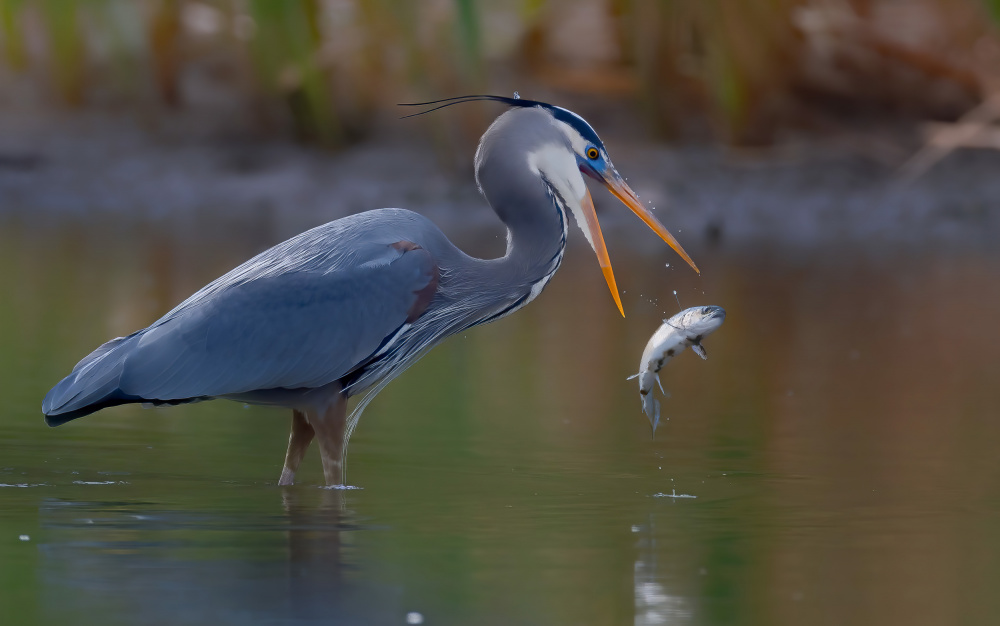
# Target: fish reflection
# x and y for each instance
(654, 604)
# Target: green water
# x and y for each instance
(840, 442)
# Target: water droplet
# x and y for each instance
(413, 617)
(517, 96)
(24, 538)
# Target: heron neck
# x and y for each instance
(523, 200)
(536, 238)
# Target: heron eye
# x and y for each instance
(592, 153)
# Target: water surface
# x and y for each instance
(840, 444)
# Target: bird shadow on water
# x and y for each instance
(140, 562)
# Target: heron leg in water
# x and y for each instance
(298, 443)
(330, 425)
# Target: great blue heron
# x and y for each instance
(347, 306)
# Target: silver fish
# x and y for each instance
(687, 328)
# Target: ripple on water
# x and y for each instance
(100, 482)
(673, 494)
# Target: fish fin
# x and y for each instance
(699, 350)
(662, 390)
(633, 376)
(651, 408)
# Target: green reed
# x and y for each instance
(321, 69)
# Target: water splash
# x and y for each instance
(673, 494)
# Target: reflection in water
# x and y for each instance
(653, 603)
(840, 441)
(317, 563)
(141, 564)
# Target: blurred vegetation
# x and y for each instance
(321, 68)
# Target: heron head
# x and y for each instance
(590, 157)
(578, 150)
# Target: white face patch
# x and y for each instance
(561, 170)
(576, 140)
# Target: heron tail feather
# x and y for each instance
(91, 386)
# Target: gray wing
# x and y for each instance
(304, 329)
(302, 314)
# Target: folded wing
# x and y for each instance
(303, 325)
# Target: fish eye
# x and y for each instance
(593, 153)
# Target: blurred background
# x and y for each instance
(833, 166)
(325, 70)
(172, 106)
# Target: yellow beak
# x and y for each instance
(623, 192)
(587, 204)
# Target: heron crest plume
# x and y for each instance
(447, 102)
(563, 115)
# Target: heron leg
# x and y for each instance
(298, 443)
(330, 425)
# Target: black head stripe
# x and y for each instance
(561, 114)
(578, 123)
